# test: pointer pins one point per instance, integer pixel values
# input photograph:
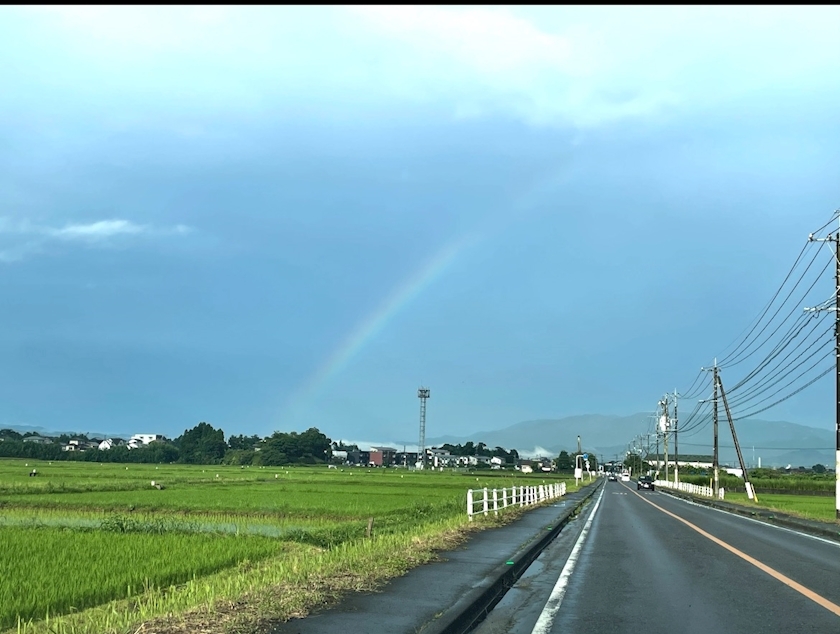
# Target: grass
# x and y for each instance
(97, 549)
(803, 483)
(813, 507)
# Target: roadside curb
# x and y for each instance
(812, 527)
(474, 605)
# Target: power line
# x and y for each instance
(766, 308)
(767, 383)
(787, 339)
(744, 356)
(757, 447)
(757, 321)
(794, 393)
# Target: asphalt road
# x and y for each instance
(653, 563)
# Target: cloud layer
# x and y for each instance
(19, 239)
(584, 66)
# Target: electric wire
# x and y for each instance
(744, 396)
(781, 400)
(739, 415)
(743, 356)
(766, 308)
(754, 324)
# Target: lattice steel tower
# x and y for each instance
(423, 393)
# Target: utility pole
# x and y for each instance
(715, 459)
(836, 240)
(578, 444)
(657, 450)
(676, 449)
(715, 465)
(665, 426)
(747, 483)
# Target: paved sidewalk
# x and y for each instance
(432, 595)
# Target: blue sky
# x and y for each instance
(272, 218)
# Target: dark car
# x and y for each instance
(612, 477)
(644, 482)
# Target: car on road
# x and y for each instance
(625, 477)
(612, 477)
(644, 482)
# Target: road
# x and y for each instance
(654, 563)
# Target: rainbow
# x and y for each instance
(373, 324)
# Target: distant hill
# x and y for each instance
(42, 431)
(777, 443)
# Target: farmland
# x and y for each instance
(92, 547)
(807, 496)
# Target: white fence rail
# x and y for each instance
(486, 500)
(686, 487)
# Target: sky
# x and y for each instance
(279, 218)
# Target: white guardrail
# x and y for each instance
(696, 489)
(497, 499)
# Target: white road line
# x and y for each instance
(830, 542)
(546, 620)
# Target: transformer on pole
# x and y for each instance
(423, 393)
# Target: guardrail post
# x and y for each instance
(504, 498)
(485, 500)
(470, 503)
(495, 501)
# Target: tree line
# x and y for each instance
(203, 444)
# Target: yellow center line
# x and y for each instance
(810, 594)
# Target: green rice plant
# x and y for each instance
(49, 571)
(272, 589)
(815, 507)
(108, 513)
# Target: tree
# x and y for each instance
(818, 468)
(244, 442)
(310, 447)
(203, 444)
(565, 461)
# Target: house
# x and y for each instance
(110, 443)
(537, 464)
(75, 445)
(381, 456)
(138, 440)
(696, 461)
(496, 462)
(41, 440)
(405, 458)
(358, 457)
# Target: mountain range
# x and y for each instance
(774, 443)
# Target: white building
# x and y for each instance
(138, 440)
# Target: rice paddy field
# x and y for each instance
(812, 507)
(90, 547)
(811, 497)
